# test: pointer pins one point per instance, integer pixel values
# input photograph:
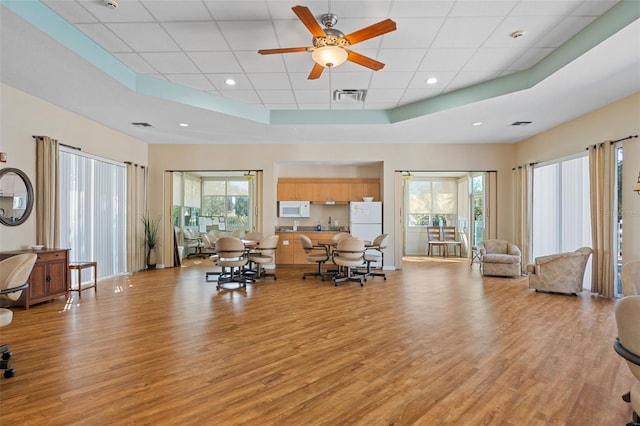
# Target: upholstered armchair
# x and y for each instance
(499, 258)
(559, 273)
(631, 278)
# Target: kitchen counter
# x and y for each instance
(310, 229)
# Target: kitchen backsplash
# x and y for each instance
(320, 214)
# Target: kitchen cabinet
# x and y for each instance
(49, 277)
(290, 251)
(295, 191)
(359, 190)
(284, 252)
(321, 190)
(332, 191)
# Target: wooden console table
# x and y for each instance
(49, 278)
(79, 266)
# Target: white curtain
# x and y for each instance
(522, 197)
(137, 182)
(47, 192)
(601, 178)
(92, 210)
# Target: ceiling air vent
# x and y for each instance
(521, 123)
(349, 95)
(141, 124)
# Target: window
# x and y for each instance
(432, 203)
(477, 204)
(228, 199)
(561, 215)
(93, 205)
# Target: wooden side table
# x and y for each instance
(79, 266)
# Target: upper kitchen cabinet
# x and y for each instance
(330, 192)
(322, 190)
(289, 190)
(359, 190)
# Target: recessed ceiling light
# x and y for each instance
(432, 80)
(230, 82)
(477, 123)
(517, 34)
(183, 124)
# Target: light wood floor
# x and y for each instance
(435, 344)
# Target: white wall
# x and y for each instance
(615, 121)
(21, 117)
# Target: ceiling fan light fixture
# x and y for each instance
(329, 56)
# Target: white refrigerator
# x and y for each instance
(365, 219)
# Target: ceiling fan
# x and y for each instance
(330, 46)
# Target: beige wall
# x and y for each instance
(615, 121)
(272, 160)
(22, 116)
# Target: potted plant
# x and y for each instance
(150, 236)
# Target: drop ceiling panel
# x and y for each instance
(465, 32)
(71, 11)
(104, 37)
(196, 36)
(174, 11)
(248, 35)
(145, 37)
(170, 62)
(238, 10)
(215, 62)
(276, 96)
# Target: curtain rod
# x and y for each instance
(624, 139)
(61, 144)
(519, 167)
(615, 141)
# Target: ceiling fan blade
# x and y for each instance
(371, 31)
(365, 61)
(309, 21)
(283, 50)
(316, 72)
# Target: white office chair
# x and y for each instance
(374, 253)
(349, 254)
(264, 254)
(232, 254)
(14, 274)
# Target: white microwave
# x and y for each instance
(294, 209)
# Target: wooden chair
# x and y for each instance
(434, 239)
(450, 240)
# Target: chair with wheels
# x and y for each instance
(340, 236)
(374, 253)
(232, 258)
(627, 345)
(349, 255)
(317, 254)
(14, 274)
(264, 254)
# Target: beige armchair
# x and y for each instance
(499, 258)
(631, 278)
(559, 273)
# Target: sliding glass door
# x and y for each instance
(561, 216)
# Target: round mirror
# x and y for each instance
(16, 197)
